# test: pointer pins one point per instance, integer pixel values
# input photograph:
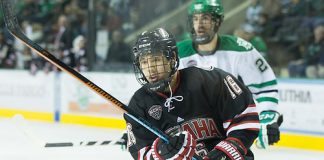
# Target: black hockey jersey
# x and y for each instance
(210, 104)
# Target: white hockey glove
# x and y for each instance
(181, 146)
(269, 132)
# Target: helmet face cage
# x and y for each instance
(156, 43)
(212, 7)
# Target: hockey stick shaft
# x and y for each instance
(81, 143)
(14, 28)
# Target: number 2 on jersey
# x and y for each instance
(261, 65)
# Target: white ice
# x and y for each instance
(23, 140)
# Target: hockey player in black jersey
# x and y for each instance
(208, 113)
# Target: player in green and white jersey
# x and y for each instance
(232, 54)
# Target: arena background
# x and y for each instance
(97, 38)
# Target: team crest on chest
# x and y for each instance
(155, 111)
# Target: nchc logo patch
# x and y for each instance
(155, 111)
(232, 86)
(236, 88)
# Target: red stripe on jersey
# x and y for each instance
(230, 120)
(253, 129)
(248, 114)
(252, 113)
(141, 153)
(252, 105)
(243, 122)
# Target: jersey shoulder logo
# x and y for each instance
(155, 111)
(243, 43)
(232, 86)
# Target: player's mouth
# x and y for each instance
(154, 78)
(201, 32)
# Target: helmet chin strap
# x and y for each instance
(208, 48)
(206, 38)
(159, 86)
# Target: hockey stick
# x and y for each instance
(82, 143)
(14, 28)
(21, 124)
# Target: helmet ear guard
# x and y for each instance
(156, 41)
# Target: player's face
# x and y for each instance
(202, 23)
(155, 67)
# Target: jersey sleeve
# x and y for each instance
(257, 74)
(139, 139)
(238, 111)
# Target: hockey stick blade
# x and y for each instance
(14, 28)
(20, 123)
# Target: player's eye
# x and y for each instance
(143, 61)
(206, 18)
(195, 18)
(157, 58)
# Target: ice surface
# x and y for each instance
(24, 140)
